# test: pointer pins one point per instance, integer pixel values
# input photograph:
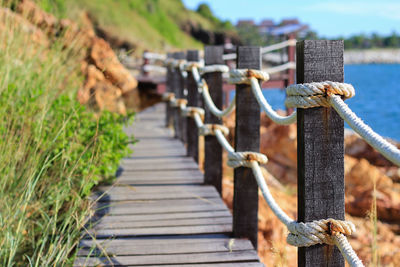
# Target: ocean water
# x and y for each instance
(377, 99)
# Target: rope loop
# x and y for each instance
(179, 102)
(190, 111)
(167, 97)
(316, 94)
(192, 64)
(317, 232)
(244, 159)
(209, 129)
(213, 68)
(244, 76)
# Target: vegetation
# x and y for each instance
(362, 41)
(149, 24)
(53, 150)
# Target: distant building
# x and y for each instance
(285, 27)
(266, 26)
(244, 22)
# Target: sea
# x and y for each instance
(377, 99)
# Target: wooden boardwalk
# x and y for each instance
(158, 212)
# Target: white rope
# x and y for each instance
(387, 149)
(213, 108)
(155, 68)
(242, 76)
(309, 95)
(286, 66)
(155, 56)
(325, 231)
(223, 142)
(190, 111)
(210, 129)
(266, 107)
(252, 76)
(230, 56)
(266, 49)
(203, 89)
(213, 68)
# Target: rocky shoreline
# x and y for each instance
(371, 56)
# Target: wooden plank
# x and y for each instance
(212, 148)
(247, 138)
(163, 222)
(170, 247)
(160, 206)
(234, 256)
(193, 101)
(163, 230)
(236, 264)
(165, 216)
(123, 193)
(320, 134)
(160, 166)
(156, 189)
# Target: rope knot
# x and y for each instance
(192, 64)
(209, 129)
(168, 97)
(244, 76)
(178, 103)
(317, 232)
(190, 111)
(316, 94)
(244, 159)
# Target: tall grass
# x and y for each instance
(52, 150)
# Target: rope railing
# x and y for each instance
(308, 95)
(265, 49)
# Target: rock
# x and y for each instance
(105, 59)
(100, 65)
(11, 22)
(356, 147)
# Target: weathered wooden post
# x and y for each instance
(193, 101)
(212, 149)
(247, 138)
(178, 90)
(291, 52)
(320, 150)
(169, 88)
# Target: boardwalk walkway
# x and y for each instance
(158, 212)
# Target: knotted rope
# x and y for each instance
(317, 232)
(190, 111)
(167, 97)
(210, 129)
(244, 159)
(243, 76)
(179, 102)
(316, 94)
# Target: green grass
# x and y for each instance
(151, 24)
(52, 150)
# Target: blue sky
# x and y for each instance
(329, 18)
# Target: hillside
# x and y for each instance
(149, 24)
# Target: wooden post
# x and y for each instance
(169, 87)
(247, 138)
(193, 96)
(212, 149)
(320, 150)
(291, 52)
(178, 90)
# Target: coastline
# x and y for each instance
(371, 56)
